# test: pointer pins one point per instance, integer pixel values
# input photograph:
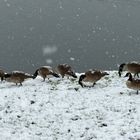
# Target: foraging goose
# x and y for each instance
(132, 83)
(91, 76)
(66, 70)
(132, 67)
(2, 74)
(17, 77)
(44, 71)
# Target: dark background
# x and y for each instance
(83, 33)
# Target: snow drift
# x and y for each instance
(60, 109)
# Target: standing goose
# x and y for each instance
(66, 70)
(132, 83)
(45, 71)
(132, 67)
(17, 77)
(91, 76)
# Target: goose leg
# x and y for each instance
(44, 78)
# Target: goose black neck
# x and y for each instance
(81, 78)
(121, 69)
(130, 77)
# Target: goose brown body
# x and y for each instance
(17, 77)
(66, 70)
(132, 67)
(45, 71)
(91, 76)
(132, 83)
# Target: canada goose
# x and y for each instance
(91, 76)
(2, 74)
(66, 70)
(132, 83)
(132, 67)
(17, 77)
(44, 71)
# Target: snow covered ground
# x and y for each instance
(62, 110)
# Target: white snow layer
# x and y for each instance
(59, 109)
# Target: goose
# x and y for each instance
(132, 83)
(66, 70)
(91, 76)
(17, 77)
(132, 67)
(45, 71)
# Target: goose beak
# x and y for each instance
(107, 73)
(74, 76)
(56, 75)
(126, 75)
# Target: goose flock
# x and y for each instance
(92, 75)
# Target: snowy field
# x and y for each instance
(62, 110)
